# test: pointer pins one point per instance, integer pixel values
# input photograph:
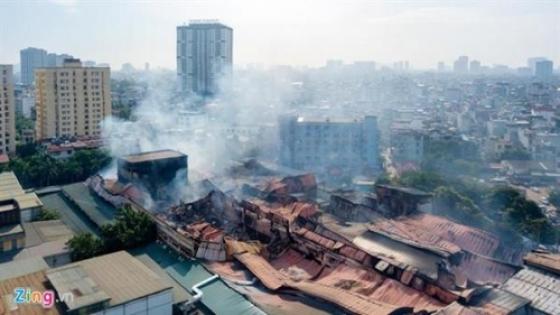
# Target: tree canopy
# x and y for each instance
(129, 230)
(39, 169)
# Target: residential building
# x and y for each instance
(407, 145)
(71, 100)
(31, 59)
(532, 62)
(204, 56)
(56, 60)
(543, 69)
(28, 203)
(7, 111)
(330, 147)
(12, 236)
(474, 67)
(461, 65)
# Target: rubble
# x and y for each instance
(402, 261)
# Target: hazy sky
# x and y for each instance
(296, 32)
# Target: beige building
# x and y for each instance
(71, 100)
(7, 111)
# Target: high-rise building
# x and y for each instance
(543, 69)
(474, 66)
(441, 66)
(30, 59)
(56, 60)
(204, 56)
(71, 100)
(461, 65)
(7, 110)
(330, 147)
(532, 62)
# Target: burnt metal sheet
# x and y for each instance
(388, 249)
(544, 260)
(542, 288)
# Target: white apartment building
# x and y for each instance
(71, 100)
(7, 111)
(204, 56)
(330, 147)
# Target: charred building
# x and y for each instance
(153, 170)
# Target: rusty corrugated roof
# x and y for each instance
(270, 277)
(468, 238)
(544, 260)
(540, 287)
(273, 279)
(484, 270)
(408, 232)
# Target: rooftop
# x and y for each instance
(544, 260)
(35, 282)
(151, 156)
(10, 230)
(10, 188)
(40, 232)
(22, 267)
(542, 288)
(117, 278)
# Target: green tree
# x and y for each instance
(427, 181)
(130, 229)
(39, 169)
(85, 245)
(448, 202)
(47, 215)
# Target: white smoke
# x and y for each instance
(238, 122)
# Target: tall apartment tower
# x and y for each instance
(204, 56)
(31, 59)
(7, 111)
(461, 65)
(544, 69)
(71, 100)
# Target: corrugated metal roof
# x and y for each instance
(10, 188)
(544, 260)
(45, 231)
(483, 270)
(352, 302)
(542, 288)
(404, 231)
(498, 301)
(270, 277)
(10, 229)
(274, 280)
(375, 286)
(118, 277)
(457, 309)
(22, 267)
(34, 281)
(153, 155)
(468, 238)
(398, 253)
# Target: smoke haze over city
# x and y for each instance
(290, 32)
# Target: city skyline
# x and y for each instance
(271, 34)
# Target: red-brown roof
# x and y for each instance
(372, 284)
(544, 260)
(431, 229)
